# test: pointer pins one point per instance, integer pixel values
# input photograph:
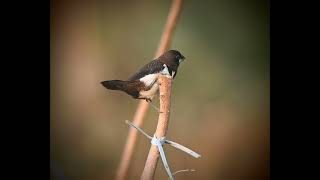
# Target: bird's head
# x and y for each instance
(172, 58)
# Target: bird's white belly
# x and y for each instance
(151, 92)
(151, 79)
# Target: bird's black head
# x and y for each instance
(172, 58)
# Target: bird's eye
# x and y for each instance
(178, 57)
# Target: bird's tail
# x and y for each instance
(115, 84)
(130, 87)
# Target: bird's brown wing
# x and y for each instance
(154, 66)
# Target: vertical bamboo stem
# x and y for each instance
(162, 127)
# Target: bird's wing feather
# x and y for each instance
(154, 66)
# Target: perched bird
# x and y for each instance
(143, 84)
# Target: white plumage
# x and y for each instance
(151, 80)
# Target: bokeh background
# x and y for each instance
(220, 101)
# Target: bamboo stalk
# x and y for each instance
(143, 106)
(162, 127)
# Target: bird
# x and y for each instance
(144, 83)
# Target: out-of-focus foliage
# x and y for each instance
(220, 103)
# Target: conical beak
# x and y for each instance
(182, 59)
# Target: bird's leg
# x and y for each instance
(155, 107)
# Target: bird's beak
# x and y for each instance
(182, 59)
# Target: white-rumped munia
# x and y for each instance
(143, 84)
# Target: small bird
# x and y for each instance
(144, 83)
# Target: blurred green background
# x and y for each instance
(220, 102)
